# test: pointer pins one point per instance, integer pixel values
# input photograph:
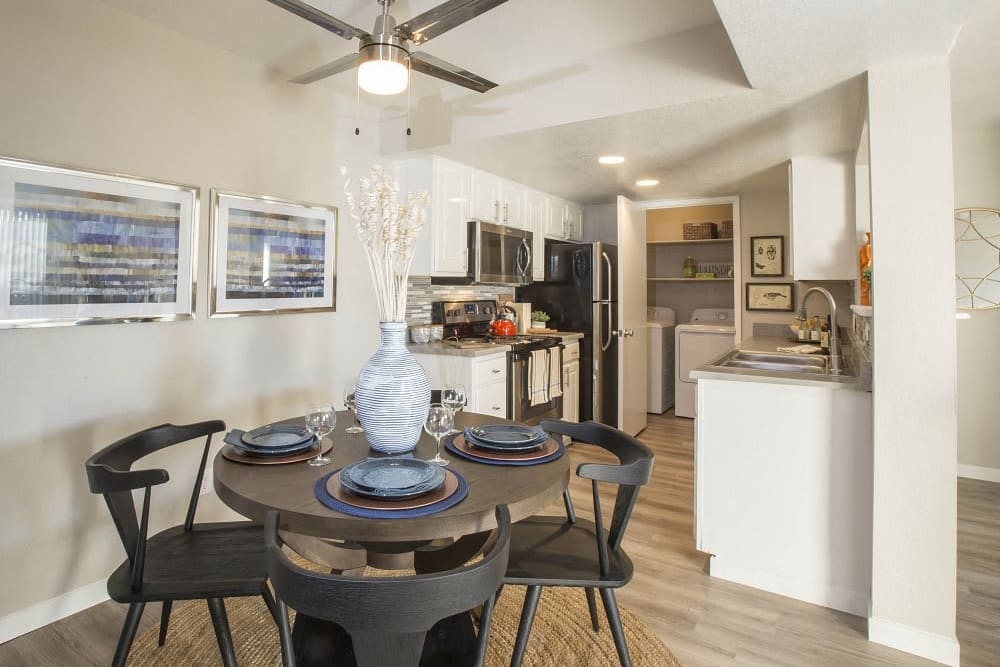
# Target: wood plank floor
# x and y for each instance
(705, 621)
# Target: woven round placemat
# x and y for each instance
(561, 635)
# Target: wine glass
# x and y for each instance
(320, 421)
(349, 403)
(439, 422)
(453, 398)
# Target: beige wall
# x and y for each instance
(914, 404)
(87, 85)
(977, 183)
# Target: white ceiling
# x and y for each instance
(663, 82)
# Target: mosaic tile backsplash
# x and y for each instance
(421, 294)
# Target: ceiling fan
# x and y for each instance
(384, 57)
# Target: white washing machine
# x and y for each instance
(660, 321)
(710, 332)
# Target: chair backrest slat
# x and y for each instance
(633, 470)
(109, 473)
(405, 604)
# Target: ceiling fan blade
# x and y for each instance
(441, 69)
(329, 69)
(320, 18)
(442, 18)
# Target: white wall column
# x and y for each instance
(915, 423)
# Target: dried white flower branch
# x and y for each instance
(388, 233)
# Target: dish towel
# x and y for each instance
(538, 377)
(555, 372)
(801, 349)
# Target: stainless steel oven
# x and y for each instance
(499, 254)
(520, 387)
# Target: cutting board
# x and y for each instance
(543, 331)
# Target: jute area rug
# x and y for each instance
(561, 635)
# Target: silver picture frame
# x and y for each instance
(79, 247)
(271, 256)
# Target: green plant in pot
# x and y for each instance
(539, 319)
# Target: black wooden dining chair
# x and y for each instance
(191, 561)
(552, 551)
(387, 618)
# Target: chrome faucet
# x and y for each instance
(835, 368)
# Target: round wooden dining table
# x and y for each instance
(253, 490)
(437, 542)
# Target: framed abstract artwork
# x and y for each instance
(771, 296)
(767, 256)
(86, 247)
(271, 255)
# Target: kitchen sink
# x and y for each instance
(775, 361)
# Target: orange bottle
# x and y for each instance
(865, 270)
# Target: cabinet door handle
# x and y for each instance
(496, 210)
(506, 216)
(496, 408)
(495, 371)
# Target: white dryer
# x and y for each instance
(660, 322)
(708, 335)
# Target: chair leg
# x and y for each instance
(128, 633)
(484, 630)
(271, 606)
(217, 609)
(592, 605)
(524, 627)
(615, 621)
(165, 620)
(285, 634)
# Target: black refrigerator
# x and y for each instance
(580, 293)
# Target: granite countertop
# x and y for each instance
(485, 350)
(567, 336)
(771, 344)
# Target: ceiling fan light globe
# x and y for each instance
(382, 77)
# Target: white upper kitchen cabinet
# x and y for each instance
(537, 212)
(824, 243)
(574, 222)
(485, 191)
(442, 247)
(555, 226)
(513, 204)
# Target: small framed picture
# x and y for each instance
(770, 296)
(271, 256)
(767, 256)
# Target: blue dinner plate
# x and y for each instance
(394, 494)
(505, 434)
(275, 451)
(391, 474)
(538, 440)
(276, 436)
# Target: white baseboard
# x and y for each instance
(850, 602)
(979, 472)
(48, 611)
(938, 648)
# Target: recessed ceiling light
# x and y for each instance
(646, 182)
(611, 159)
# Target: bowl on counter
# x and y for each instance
(420, 333)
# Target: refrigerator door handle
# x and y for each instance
(611, 333)
(607, 274)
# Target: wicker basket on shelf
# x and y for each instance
(697, 231)
(726, 229)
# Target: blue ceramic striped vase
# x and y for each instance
(393, 394)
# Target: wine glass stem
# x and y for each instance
(437, 446)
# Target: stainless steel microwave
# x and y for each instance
(498, 254)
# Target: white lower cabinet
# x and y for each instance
(571, 382)
(484, 377)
